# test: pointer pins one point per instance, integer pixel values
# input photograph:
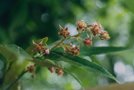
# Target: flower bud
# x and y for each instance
(64, 32)
(74, 50)
(88, 41)
(104, 35)
(81, 25)
(96, 28)
(60, 72)
(38, 46)
(47, 51)
(31, 68)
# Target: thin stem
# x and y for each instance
(77, 35)
(56, 45)
(15, 81)
(62, 40)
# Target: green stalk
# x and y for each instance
(15, 81)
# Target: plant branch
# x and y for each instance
(56, 45)
(15, 81)
(62, 40)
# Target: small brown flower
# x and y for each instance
(72, 49)
(88, 41)
(64, 32)
(60, 71)
(96, 28)
(31, 68)
(104, 35)
(38, 46)
(81, 25)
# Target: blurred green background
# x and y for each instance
(21, 21)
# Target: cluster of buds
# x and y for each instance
(104, 35)
(72, 49)
(92, 30)
(81, 25)
(39, 47)
(64, 31)
(31, 69)
(57, 70)
(97, 29)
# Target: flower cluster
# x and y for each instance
(64, 32)
(97, 29)
(83, 28)
(81, 25)
(91, 30)
(40, 48)
(72, 49)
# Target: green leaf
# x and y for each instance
(13, 53)
(78, 72)
(82, 62)
(88, 51)
(16, 58)
(42, 41)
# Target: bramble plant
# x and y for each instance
(70, 48)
